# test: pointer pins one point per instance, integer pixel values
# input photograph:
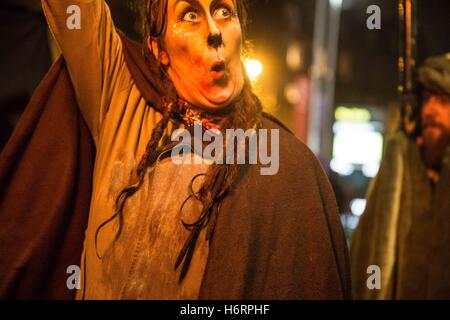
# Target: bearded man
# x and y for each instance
(405, 228)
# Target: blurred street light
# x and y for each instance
(254, 69)
(336, 4)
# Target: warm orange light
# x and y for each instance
(254, 69)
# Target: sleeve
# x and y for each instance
(92, 49)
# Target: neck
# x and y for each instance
(191, 114)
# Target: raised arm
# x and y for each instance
(92, 49)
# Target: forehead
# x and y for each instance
(441, 101)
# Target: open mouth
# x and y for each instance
(218, 66)
(218, 69)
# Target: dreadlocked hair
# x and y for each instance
(219, 178)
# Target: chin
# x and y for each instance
(220, 100)
(222, 97)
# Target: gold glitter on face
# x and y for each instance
(203, 43)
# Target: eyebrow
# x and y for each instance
(192, 2)
(189, 1)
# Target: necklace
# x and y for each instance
(190, 116)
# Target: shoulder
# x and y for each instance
(293, 152)
(301, 180)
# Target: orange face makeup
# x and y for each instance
(203, 44)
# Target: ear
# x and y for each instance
(160, 55)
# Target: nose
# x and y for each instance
(430, 111)
(214, 40)
(430, 107)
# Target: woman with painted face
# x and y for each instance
(160, 230)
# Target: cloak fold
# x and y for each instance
(45, 188)
(284, 244)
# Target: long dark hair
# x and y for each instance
(220, 178)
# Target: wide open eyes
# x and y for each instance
(221, 13)
(192, 15)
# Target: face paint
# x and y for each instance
(203, 42)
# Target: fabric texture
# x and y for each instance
(403, 229)
(434, 74)
(45, 189)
